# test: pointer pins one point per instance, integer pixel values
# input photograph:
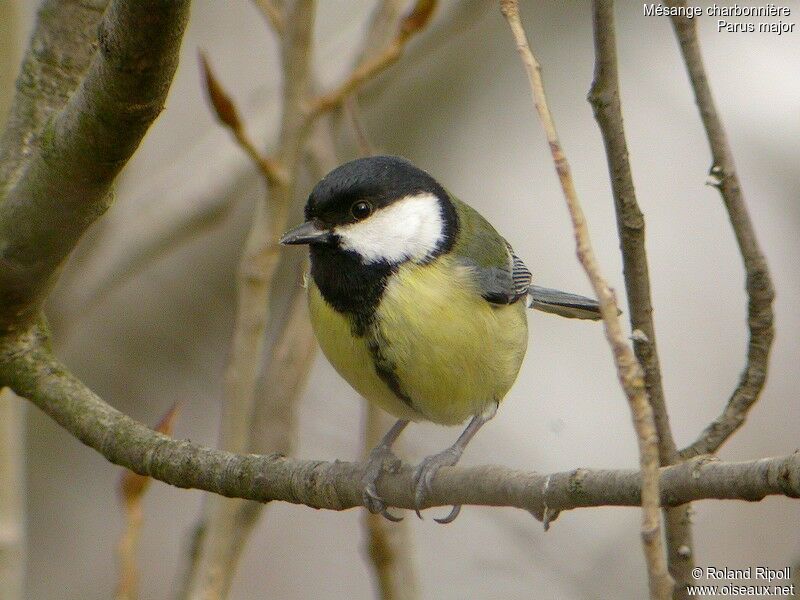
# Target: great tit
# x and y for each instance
(418, 303)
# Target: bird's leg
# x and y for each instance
(381, 458)
(425, 472)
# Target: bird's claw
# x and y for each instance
(451, 517)
(375, 504)
(380, 459)
(423, 480)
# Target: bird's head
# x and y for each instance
(382, 209)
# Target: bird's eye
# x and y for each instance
(361, 210)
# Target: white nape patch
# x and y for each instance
(409, 229)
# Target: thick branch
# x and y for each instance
(60, 51)
(629, 370)
(758, 282)
(604, 97)
(29, 369)
(65, 185)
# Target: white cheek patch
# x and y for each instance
(409, 229)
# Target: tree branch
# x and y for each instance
(186, 207)
(274, 15)
(29, 368)
(388, 546)
(227, 114)
(759, 287)
(604, 97)
(628, 368)
(65, 184)
(373, 63)
(228, 522)
(60, 51)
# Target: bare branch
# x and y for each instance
(383, 24)
(759, 287)
(13, 534)
(228, 522)
(228, 115)
(60, 50)
(28, 367)
(353, 112)
(195, 204)
(10, 35)
(604, 97)
(605, 100)
(274, 15)
(414, 22)
(629, 371)
(272, 432)
(65, 184)
(388, 545)
(132, 488)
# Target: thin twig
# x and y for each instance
(414, 22)
(224, 518)
(274, 15)
(128, 583)
(353, 111)
(193, 205)
(13, 534)
(28, 367)
(388, 545)
(11, 33)
(629, 371)
(132, 488)
(383, 24)
(604, 97)
(227, 114)
(272, 429)
(760, 291)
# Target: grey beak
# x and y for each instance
(306, 233)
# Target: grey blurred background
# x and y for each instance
(460, 108)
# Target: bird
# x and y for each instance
(419, 304)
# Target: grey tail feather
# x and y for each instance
(563, 304)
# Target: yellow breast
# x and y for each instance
(452, 352)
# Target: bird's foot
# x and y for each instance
(380, 459)
(423, 479)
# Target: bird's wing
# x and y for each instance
(500, 275)
(563, 304)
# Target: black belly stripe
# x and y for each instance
(386, 369)
(355, 290)
(348, 285)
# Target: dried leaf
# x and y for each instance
(416, 19)
(222, 103)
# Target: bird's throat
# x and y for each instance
(350, 286)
